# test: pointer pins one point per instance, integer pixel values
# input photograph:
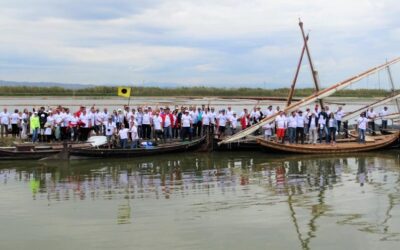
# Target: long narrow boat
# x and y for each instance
(35, 151)
(379, 142)
(174, 147)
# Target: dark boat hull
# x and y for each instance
(137, 152)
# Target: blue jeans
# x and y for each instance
(35, 133)
(123, 142)
(292, 134)
(134, 144)
(167, 132)
(361, 135)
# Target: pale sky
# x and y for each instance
(194, 42)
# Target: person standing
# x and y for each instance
(300, 122)
(134, 136)
(110, 131)
(281, 125)
(167, 123)
(35, 126)
(292, 125)
(157, 123)
(15, 121)
(332, 123)
(5, 121)
(338, 116)
(123, 136)
(146, 124)
(371, 115)
(383, 115)
(312, 129)
(222, 119)
(186, 125)
(233, 120)
(362, 127)
(322, 120)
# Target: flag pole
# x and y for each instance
(130, 94)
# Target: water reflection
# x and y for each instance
(229, 181)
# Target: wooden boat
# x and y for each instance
(173, 147)
(380, 142)
(31, 151)
(310, 99)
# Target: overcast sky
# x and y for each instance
(193, 42)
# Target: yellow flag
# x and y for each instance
(124, 91)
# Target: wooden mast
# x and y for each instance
(393, 88)
(291, 92)
(313, 71)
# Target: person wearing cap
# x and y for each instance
(300, 122)
(187, 123)
(34, 126)
(139, 121)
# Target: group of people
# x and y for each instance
(130, 125)
(321, 123)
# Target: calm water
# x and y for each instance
(196, 201)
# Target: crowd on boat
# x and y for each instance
(129, 126)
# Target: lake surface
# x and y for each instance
(203, 201)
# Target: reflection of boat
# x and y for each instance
(145, 151)
(379, 142)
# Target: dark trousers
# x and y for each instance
(175, 132)
(384, 124)
(339, 123)
(199, 127)
(84, 133)
(332, 134)
(185, 131)
(300, 134)
(371, 126)
(146, 131)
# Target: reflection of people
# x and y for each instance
(361, 173)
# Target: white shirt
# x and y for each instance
(123, 133)
(233, 121)
(186, 120)
(331, 123)
(146, 119)
(292, 122)
(50, 120)
(85, 119)
(362, 122)
(5, 118)
(110, 128)
(321, 121)
(371, 115)
(280, 121)
(157, 122)
(383, 113)
(206, 119)
(312, 123)
(222, 119)
(339, 115)
(267, 129)
(300, 121)
(167, 121)
(229, 113)
(212, 117)
(134, 133)
(15, 118)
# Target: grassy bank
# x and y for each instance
(181, 91)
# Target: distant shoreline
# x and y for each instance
(183, 92)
